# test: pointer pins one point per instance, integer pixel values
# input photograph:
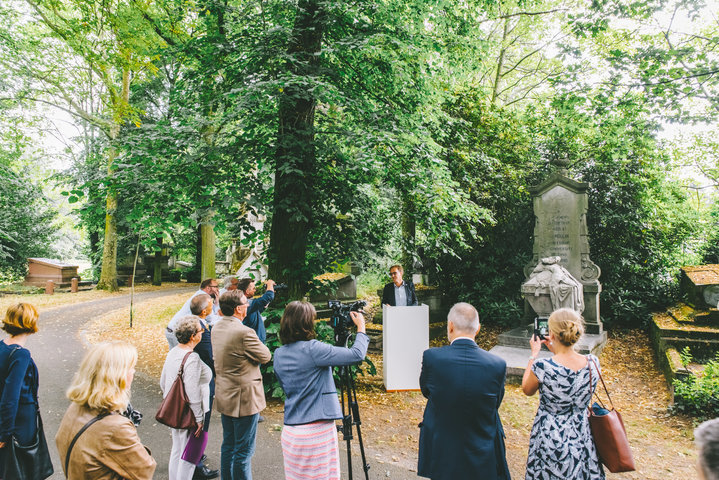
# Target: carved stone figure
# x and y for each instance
(549, 277)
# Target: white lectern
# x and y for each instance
(405, 335)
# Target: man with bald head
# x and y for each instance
(461, 435)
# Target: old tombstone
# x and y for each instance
(40, 270)
(700, 285)
(74, 283)
(561, 272)
(49, 287)
(560, 210)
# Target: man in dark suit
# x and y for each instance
(398, 293)
(461, 435)
(201, 306)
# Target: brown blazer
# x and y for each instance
(109, 449)
(238, 353)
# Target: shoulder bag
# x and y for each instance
(608, 431)
(28, 462)
(77, 435)
(175, 411)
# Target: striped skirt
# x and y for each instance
(311, 451)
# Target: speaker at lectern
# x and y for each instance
(405, 336)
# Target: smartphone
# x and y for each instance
(541, 327)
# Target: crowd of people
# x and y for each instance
(216, 347)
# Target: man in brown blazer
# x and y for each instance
(239, 394)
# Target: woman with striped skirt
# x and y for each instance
(303, 366)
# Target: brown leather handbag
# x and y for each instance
(610, 436)
(175, 410)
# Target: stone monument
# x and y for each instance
(560, 274)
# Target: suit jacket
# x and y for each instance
(238, 354)
(109, 449)
(204, 348)
(304, 370)
(461, 435)
(388, 294)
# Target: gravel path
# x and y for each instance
(58, 349)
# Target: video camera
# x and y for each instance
(341, 320)
(280, 286)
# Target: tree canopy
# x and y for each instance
(372, 131)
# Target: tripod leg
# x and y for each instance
(354, 410)
(346, 427)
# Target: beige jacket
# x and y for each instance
(109, 449)
(238, 353)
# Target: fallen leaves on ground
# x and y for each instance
(661, 443)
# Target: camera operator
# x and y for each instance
(303, 367)
(257, 305)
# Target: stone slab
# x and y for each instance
(519, 337)
(517, 356)
(517, 359)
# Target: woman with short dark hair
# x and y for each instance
(303, 367)
(18, 378)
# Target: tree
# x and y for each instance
(26, 215)
(103, 47)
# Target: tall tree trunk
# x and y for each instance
(295, 158)
(157, 264)
(108, 274)
(108, 271)
(207, 236)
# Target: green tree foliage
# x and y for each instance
(370, 130)
(26, 215)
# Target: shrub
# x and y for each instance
(698, 395)
(324, 334)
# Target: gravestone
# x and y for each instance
(700, 285)
(560, 229)
(40, 270)
(561, 272)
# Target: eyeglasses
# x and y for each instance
(392, 274)
(215, 286)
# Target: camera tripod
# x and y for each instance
(350, 414)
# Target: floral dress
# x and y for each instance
(561, 445)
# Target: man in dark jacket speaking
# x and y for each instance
(398, 293)
(461, 435)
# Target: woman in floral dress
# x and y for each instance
(561, 446)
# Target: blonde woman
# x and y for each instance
(561, 445)
(196, 377)
(18, 378)
(108, 446)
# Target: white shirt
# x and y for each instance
(185, 310)
(468, 338)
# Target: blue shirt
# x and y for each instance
(400, 295)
